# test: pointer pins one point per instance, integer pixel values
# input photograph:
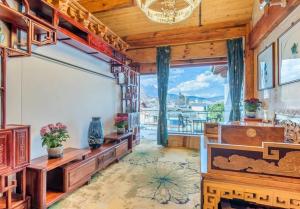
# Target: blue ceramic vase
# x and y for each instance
(96, 138)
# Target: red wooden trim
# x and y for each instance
(26, 5)
(270, 20)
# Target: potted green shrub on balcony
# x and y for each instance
(52, 137)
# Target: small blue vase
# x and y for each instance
(96, 138)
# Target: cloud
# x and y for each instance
(149, 81)
(203, 82)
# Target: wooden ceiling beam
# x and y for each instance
(182, 52)
(180, 36)
(269, 21)
(105, 5)
(150, 68)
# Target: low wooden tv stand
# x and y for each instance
(50, 180)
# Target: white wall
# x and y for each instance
(40, 91)
(286, 98)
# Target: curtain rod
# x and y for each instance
(71, 65)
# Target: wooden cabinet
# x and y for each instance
(49, 180)
(14, 147)
(14, 157)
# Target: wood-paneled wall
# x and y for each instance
(182, 52)
(191, 142)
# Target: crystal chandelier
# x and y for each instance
(168, 11)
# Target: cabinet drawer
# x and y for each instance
(79, 173)
(122, 149)
(21, 147)
(108, 157)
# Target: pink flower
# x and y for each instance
(45, 130)
(51, 126)
(61, 126)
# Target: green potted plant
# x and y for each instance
(251, 107)
(52, 137)
(121, 122)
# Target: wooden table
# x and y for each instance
(250, 133)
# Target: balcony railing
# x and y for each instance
(181, 122)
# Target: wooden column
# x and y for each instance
(249, 67)
(3, 87)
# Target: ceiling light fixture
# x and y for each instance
(168, 11)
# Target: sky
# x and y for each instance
(196, 81)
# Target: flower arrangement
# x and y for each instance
(54, 135)
(252, 105)
(121, 121)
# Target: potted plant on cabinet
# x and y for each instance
(251, 107)
(53, 136)
(121, 122)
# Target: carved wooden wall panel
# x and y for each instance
(273, 159)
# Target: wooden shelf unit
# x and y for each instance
(50, 180)
(15, 157)
(128, 78)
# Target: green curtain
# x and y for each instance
(236, 76)
(163, 67)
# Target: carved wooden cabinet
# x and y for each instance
(14, 157)
(263, 175)
(14, 147)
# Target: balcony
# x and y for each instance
(180, 122)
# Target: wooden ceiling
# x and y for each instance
(126, 19)
(198, 40)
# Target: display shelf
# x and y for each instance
(42, 12)
(11, 16)
(16, 201)
(42, 35)
(54, 196)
